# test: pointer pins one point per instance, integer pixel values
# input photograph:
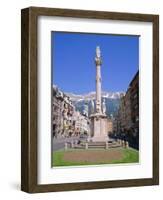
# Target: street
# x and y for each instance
(59, 143)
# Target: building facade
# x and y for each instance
(126, 121)
(110, 126)
(134, 85)
(66, 121)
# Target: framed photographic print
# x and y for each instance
(90, 99)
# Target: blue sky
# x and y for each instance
(74, 67)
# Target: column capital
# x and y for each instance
(98, 61)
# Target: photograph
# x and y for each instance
(94, 99)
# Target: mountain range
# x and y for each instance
(112, 101)
(91, 95)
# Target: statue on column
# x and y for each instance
(98, 56)
(104, 107)
(92, 107)
(85, 111)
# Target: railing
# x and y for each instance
(91, 145)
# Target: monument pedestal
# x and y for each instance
(99, 128)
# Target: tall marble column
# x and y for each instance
(98, 118)
(98, 63)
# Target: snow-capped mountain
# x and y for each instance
(91, 96)
(112, 101)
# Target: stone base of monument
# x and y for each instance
(99, 139)
(99, 128)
